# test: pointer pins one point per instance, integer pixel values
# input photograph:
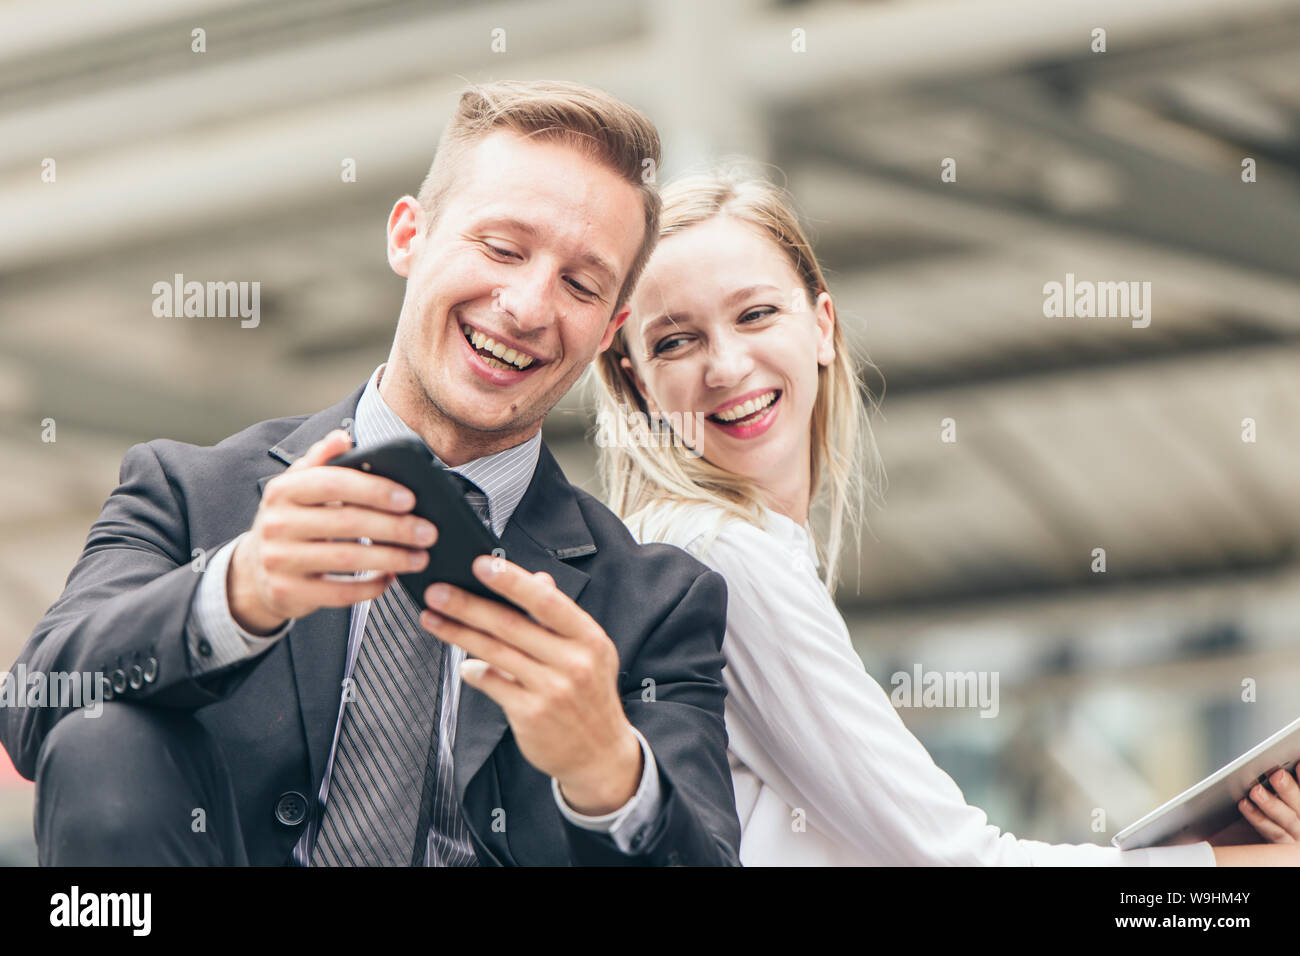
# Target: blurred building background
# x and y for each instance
(1117, 689)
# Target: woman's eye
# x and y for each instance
(664, 345)
(758, 314)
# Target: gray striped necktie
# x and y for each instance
(385, 766)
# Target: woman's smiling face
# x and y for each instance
(721, 326)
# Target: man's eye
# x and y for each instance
(500, 252)
(580, 288)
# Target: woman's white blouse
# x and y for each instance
(824, 769)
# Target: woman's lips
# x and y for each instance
(745, 406)
(753, 426)
(758, 397)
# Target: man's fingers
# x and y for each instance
(318, 486)
(507, 692)
(494, 618)
(331, 446)
(305, 558)
(536, 594)
(305, 483)
(354, 523)
(499, 653)
(324, 592)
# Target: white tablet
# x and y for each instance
(1205, 809)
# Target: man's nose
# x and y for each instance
(529, 298)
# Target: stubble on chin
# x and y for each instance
(434, 407)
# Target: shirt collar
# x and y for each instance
(797, 536)
(503, 476)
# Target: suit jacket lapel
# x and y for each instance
(318, 643)
(546, 529)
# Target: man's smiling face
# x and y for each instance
(529, 251)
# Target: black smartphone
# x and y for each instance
(462, 537)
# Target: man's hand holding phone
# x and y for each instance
(553, 670)
(276, 572)
(543, 659)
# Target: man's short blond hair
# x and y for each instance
(598, 125)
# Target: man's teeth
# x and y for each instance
(508, 356)
(745, 409)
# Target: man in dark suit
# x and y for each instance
(280, 700)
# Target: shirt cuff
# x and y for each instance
(1189, 854)
(628, 824)
(214, 638)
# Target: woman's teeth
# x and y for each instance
(499, 356)
(746, 409)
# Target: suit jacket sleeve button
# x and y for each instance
(119, 681)
(204, 647)
(151, 670)
(136, 677)
(106, 686)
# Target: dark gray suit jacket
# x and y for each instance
(127, 602)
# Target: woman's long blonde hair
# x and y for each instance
(846, 465)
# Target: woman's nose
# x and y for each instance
(729, 363)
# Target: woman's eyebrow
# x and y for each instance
(747, 291)
(677, 318)
(674, 319)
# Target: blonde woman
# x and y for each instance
(732, 321)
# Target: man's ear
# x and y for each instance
(614, 325)
(630, 372)
(405, 227)
(824, 313)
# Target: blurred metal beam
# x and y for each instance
(970, 587)
(854, 47)
(137, 87)
(44, 26)
(186, 163)
(1177, 207)
(881, 628)
(1230, 335)
(1195, 677)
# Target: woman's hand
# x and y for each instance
(1275, 816)
(1258, 854)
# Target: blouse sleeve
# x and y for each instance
(800, 693)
